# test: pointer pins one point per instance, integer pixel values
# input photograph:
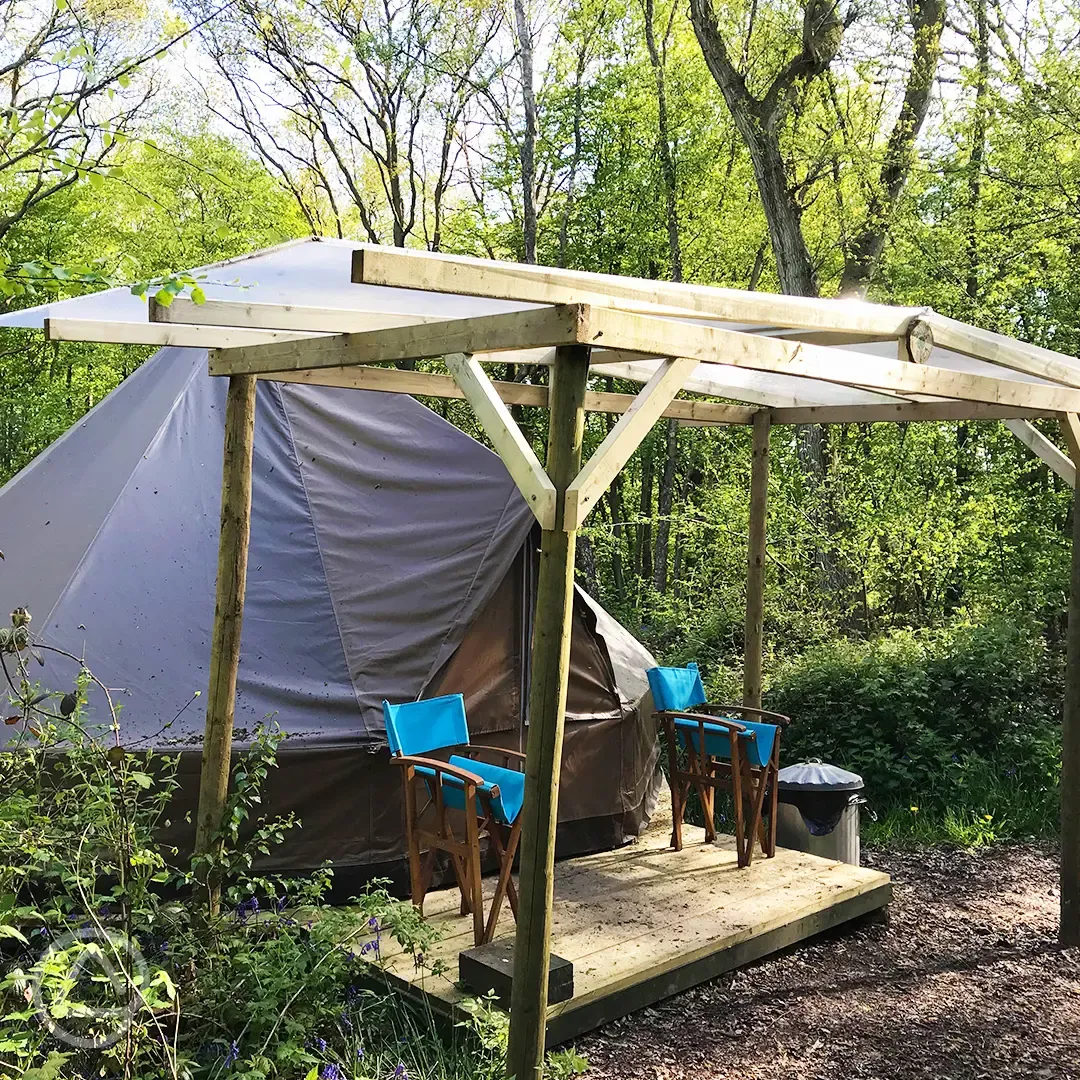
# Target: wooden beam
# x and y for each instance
(1070, 430)
(717, 380)
(510, 444)
(547, 706)
(714, 345)
(1044, 449)
(754, 634)
(624, 438)
(467, 276)
(423, 384)
(1005, 351)
(187, 337)
(228, 615)
(282, 316)
(1069, 929)
(901, 411)
(536, 327)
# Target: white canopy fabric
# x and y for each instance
(317, 273)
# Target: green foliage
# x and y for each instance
(113, 964)
(955, 730)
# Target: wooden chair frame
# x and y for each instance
(464, 854)
(706, 774)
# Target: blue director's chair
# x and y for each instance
(737, 755)
(490, 796)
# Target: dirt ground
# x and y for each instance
(965, 982)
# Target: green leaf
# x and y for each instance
(164, 297)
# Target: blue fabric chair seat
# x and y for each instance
(717, 740)
(511, 784)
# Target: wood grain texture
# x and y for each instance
(228, 609)
(644, 922)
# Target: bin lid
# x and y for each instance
(818, 776)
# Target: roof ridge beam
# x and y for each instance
(468, 276)
(1002, 350)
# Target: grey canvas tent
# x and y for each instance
(391, 556)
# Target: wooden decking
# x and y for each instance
(645, 922)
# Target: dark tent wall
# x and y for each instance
(391, 556)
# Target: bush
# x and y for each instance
(959, 724)
(115, 964)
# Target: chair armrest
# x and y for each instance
(508, 756)
(443, 767)
(777, 718)
(718, 721)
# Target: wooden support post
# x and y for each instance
(228, 611)
(547, 705)
(753, 636)
(1070, 754)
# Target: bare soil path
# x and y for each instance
(965, 982)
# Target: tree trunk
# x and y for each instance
(528, 139)
(643, 558)
(863, 255)
(665, 505)
(667, 157)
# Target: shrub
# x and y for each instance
(114, 964)
(961, 721)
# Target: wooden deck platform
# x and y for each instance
(645, 922)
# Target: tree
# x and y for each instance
(359, 109)
(76, 78)
(762, 105)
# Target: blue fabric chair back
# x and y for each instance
(418, 727)
(676, 689)
(718, 741)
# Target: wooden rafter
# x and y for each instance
(1043, 449)
(902, 411)
(393, 381)
(112, 332)
(546, 285)
(662, 337)
(624, 438)
(536, 327)
(510, 444)
(1001, 350)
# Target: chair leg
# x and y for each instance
(774, 781)
(675, 784)
(412, 842)
(506, 864)
(696, 769)
(472, 863)
(757, 800)
(737, 799)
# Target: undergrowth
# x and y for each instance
(117, 959)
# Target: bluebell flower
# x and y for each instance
(400, 1072)
(359, 1052)
(373, 922)
(330, 1071)
(282, 901)
(418, 961)
(345, 1021)
(319, 1045)
(231, 1055)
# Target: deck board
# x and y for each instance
(644, 922)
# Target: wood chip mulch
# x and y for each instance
(965, 982)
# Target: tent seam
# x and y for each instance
(276, 389)
(436, 665)
(127, 483)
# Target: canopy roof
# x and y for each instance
(805, 360)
